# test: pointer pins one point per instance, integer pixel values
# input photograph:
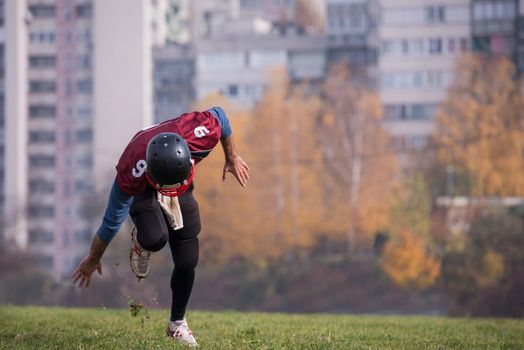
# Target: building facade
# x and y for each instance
(174, 80)
(241, 69)
(352, 36)
(64, 133)
(59, 131)
(495, 28)
(420, 40)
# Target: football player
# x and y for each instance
(154, 185)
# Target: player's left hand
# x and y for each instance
(238, 167)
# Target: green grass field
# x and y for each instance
(60, 328)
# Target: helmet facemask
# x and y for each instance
(175, 189)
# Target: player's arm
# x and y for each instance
(234, 163)
(115, 214)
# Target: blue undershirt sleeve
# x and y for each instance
(116, 213)
(219, 113)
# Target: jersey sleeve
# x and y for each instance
(225, 126)
(115, 214)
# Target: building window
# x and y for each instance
(42, 37)
(435, 46)
(84, 61)
(41, 161)
(232, 90)
(84, 11)
(41, 136)
(42, 11)
(85, 112)
(41, 186)
(40, 236)
(84, 235)
(85, 86)
(42, 86)
(409, 112)
(403, 16)
(431, 79)
(435, 14)
(41, 211)
(67, 12)
(42, 111)
(494, 10)
(1, 13)
(84, 36)
(84, 185)
(85, 135)
(42, 61)
(85, 161)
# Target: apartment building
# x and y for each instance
(232, 52)
(65, 133)
(420, 40)
(59, 130)
(174, 80)
(241, 69)
(352, 36)
(495, 28)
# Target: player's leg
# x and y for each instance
(185, 252)
(185, 256)
(150, 233)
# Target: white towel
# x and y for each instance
(171, 208)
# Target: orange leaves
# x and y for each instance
(479, 127)
(407, 262)
(310, 176)
(361, 170)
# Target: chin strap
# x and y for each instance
(176, 189)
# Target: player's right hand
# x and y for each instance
(84, 271)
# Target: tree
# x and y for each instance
(360, 170)
(407, 262)
(479, 131)
(408, 258)
(284, 145)
(318, 165)
(230, 218)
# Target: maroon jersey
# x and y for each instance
(201, 130)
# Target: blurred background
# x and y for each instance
(385, 140)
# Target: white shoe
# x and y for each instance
(139, 258)
(180, 331)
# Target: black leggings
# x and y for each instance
(153, 231)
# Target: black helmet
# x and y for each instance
(169, 164)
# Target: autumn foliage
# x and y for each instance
(407, 262)
(309, 171)
(479, 127)
(321, 169)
